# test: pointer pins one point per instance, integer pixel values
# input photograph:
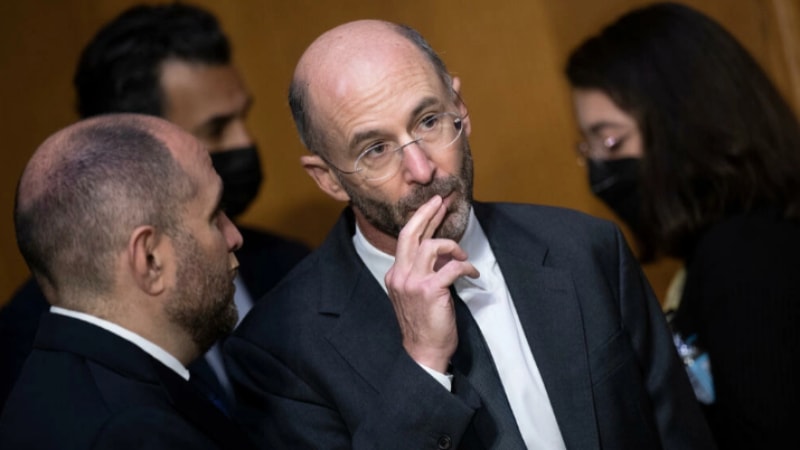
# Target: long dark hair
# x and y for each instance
(718, 137)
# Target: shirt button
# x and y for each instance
(444, 442)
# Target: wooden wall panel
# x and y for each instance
(509, 54)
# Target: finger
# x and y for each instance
(435, 222)
(409, 238)
(451, 271)
(435, 253)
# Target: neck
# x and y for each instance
(162, 333)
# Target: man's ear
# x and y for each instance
(462, 107)
(147, 255)
(323, 174)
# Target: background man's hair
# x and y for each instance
(115, 175)
(119, 70)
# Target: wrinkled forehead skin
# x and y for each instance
(354, 67)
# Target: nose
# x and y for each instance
(233, 237)
(237, 135)
(417, 166)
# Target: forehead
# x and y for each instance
(193, 158)
(196, 92)
(353, 87)
(594, 109)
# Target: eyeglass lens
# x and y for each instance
(432, 133)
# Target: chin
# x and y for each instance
(454, 223)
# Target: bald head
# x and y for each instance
(75, 143)
(349, 52)
(83, 191)
(347, 58)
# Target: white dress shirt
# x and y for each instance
(147, 346)
(490, 303)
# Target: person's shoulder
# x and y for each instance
(545, 218)
(267, 241)
(26, 304)
(296, 305)
(571, 238)
(265, 258)
(78, 425)
(764, 227)
(54, 404)
(55, 376)
(293, 295)
(760, 243)
(153, 428)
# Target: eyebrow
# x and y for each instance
(369, 134)
(218, 206)
(596, 128)
(221, 119)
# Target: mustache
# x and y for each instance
(439, 186)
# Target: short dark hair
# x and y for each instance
(718, 137)
(119, 70)
(114, 176)
(298, 94)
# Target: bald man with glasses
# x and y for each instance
(428, 320)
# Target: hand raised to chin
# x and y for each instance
(418, 284)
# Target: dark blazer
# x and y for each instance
(19, 319)
(83, 387)
(741, 302)
(319, 362)
(264, 259)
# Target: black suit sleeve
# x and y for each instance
(678, 419)
(19, 320)
(150, 429)
(281, 409)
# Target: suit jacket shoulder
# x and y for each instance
(19, 319)
(320, 359)
(83, 387)
(265, 258)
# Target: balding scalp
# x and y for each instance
(85, 189)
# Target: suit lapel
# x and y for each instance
(196, 408)
(368, 337)
(546, 303)
(111, 351)
(367, 334)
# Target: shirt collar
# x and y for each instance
(147, 346)
(474, 242)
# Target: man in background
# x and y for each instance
(118, 217)
(172, 61)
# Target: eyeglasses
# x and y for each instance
(381, 160)
(599, 148)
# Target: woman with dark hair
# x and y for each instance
(690, 143)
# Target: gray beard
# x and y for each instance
(391, 218)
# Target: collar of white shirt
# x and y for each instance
(147, 346)
(474, 242)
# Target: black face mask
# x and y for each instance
(240, 170)
(616, 182)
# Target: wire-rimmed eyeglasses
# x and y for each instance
(383, 159)
(599, 148)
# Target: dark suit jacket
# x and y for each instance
(83, 387)
(320, 364)
(741, 302)
(264, 259)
